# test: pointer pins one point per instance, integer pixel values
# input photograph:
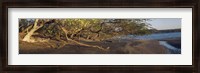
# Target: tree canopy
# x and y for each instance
(87, 28)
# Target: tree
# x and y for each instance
(88, 29)
(78, 25)
(37, 25)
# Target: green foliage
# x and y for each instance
(92, 28)
(22, 24)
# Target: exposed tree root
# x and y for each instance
(63, 44)
(58, 44)
(83, 44)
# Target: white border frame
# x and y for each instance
(185, 58)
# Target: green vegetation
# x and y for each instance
(73, 30)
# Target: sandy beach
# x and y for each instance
(115, 47)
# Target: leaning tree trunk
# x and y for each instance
(72, 36)
(27, 38)
(65, 31)
(27, 29)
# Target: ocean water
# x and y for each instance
(156, 36)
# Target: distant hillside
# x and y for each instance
(167, 30)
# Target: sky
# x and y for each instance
(165, 23)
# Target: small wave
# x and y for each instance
(171, 48)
